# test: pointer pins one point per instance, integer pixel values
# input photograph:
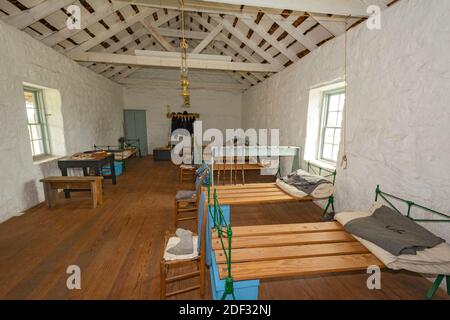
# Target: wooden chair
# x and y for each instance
(186, 171)
(198, 261)
(190, 204)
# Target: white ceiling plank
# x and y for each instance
(340, 7)
(249, 22)
(30, 16)
(116, 28)
(202, 45)
(286, 25)
(171, 62)
(238, 34)
(86, 22)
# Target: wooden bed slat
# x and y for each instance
(272, 229)
(289, 252)
(246, 186)
(299, 267)
(285, 240)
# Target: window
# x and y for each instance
(330, 133)
(37, 126)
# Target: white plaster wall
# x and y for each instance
(217, 109)
(397, 104)
(91, 107)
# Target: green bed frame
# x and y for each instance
(440, 218)
(328, 174)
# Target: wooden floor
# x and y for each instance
(118, 246)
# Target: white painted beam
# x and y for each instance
(340, 7)
(229, 42)
(148, 82)
(334, 26)
(86, 22)
(286, 25)
(170, 62)
(172, 33)
(177, 55)
(30, 16)
(202, 45)
(249, 22)
(115, 29)
(158, 37)
(252, 45)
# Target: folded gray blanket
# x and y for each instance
(305, 183)
(393, 232)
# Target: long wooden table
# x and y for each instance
(273, 251)
(95, 161)
(254, 193)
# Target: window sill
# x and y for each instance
(44, 159)
(323, 164)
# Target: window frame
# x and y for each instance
(42, 122)
(323, 122)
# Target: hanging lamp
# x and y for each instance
(184, 80)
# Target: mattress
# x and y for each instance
(431, 261)
(322, 191)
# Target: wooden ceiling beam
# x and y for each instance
(36, 13)
(248, 20)
(65, 33)
(170, 62)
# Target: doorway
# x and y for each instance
(136, 127)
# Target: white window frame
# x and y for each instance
(42, 122)
(323, 123)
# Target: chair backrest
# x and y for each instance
(202, 208)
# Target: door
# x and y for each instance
(136, 128)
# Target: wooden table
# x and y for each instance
(96, 161)
(92, 183)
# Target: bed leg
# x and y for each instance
(328, 216)
(447, 280)
(436, 285)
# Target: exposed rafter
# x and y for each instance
(30, 16)
(131, 60)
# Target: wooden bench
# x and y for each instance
(274, 251)
(92, 183)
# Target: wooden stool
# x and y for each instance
(187, 170)
(92, 183)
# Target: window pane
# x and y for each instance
(29, 99)
(327, 152)
(337, 137)
(38, 147)
(329, 134)
(335, 152)
(35, 132)
(339, 119)
(32, 115)
(332, 119)
(341, 102)
(333, 102)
